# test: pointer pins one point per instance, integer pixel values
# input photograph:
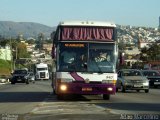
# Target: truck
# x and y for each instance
(41, 71)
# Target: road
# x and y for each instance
(36, 102)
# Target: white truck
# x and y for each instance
(41, 70)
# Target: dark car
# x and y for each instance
(132, 79)
(153, 77)
(20, 76)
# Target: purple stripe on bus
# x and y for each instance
(76, 76)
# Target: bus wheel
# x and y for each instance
(106, 96)
(60, 96)
(54, 92)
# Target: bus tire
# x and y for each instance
(106, 96)
(60, 96)
(54, 92)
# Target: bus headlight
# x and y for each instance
(110, 89)
(63, 87)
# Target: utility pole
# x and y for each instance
(11, 54)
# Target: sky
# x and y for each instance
(51, 12)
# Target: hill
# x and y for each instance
(27, 29)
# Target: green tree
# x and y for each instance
(150, 53)
(21, 51)
(154, 51)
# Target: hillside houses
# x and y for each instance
(135, 37)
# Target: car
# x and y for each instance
(20, 76)
(132, 79)
(153, 77)
(31, 77)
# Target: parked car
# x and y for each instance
(132, 79)
(153, 77)
(20, 76)
(31, 77)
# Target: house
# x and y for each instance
(5, 53)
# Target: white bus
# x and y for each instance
(85, 54)
(41, 71)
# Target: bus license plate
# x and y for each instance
(86, 89)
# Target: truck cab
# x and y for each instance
(42, 72)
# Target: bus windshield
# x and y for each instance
(101, 58)
(86, 57)
(72, 57)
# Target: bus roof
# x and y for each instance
(87, 23)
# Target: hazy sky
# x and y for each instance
(50, 12)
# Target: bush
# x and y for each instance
(5, 67)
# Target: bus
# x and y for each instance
(85, 54)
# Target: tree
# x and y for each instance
(154, 51)
(22, 51)
(31, 41)
(150, 53)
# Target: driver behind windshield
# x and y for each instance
(103, 56)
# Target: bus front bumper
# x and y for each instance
(85, 88)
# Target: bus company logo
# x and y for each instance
(73, 45)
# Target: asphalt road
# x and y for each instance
(36, 102)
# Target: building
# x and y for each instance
(47, 47)
(131, 55)
(5, 53)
